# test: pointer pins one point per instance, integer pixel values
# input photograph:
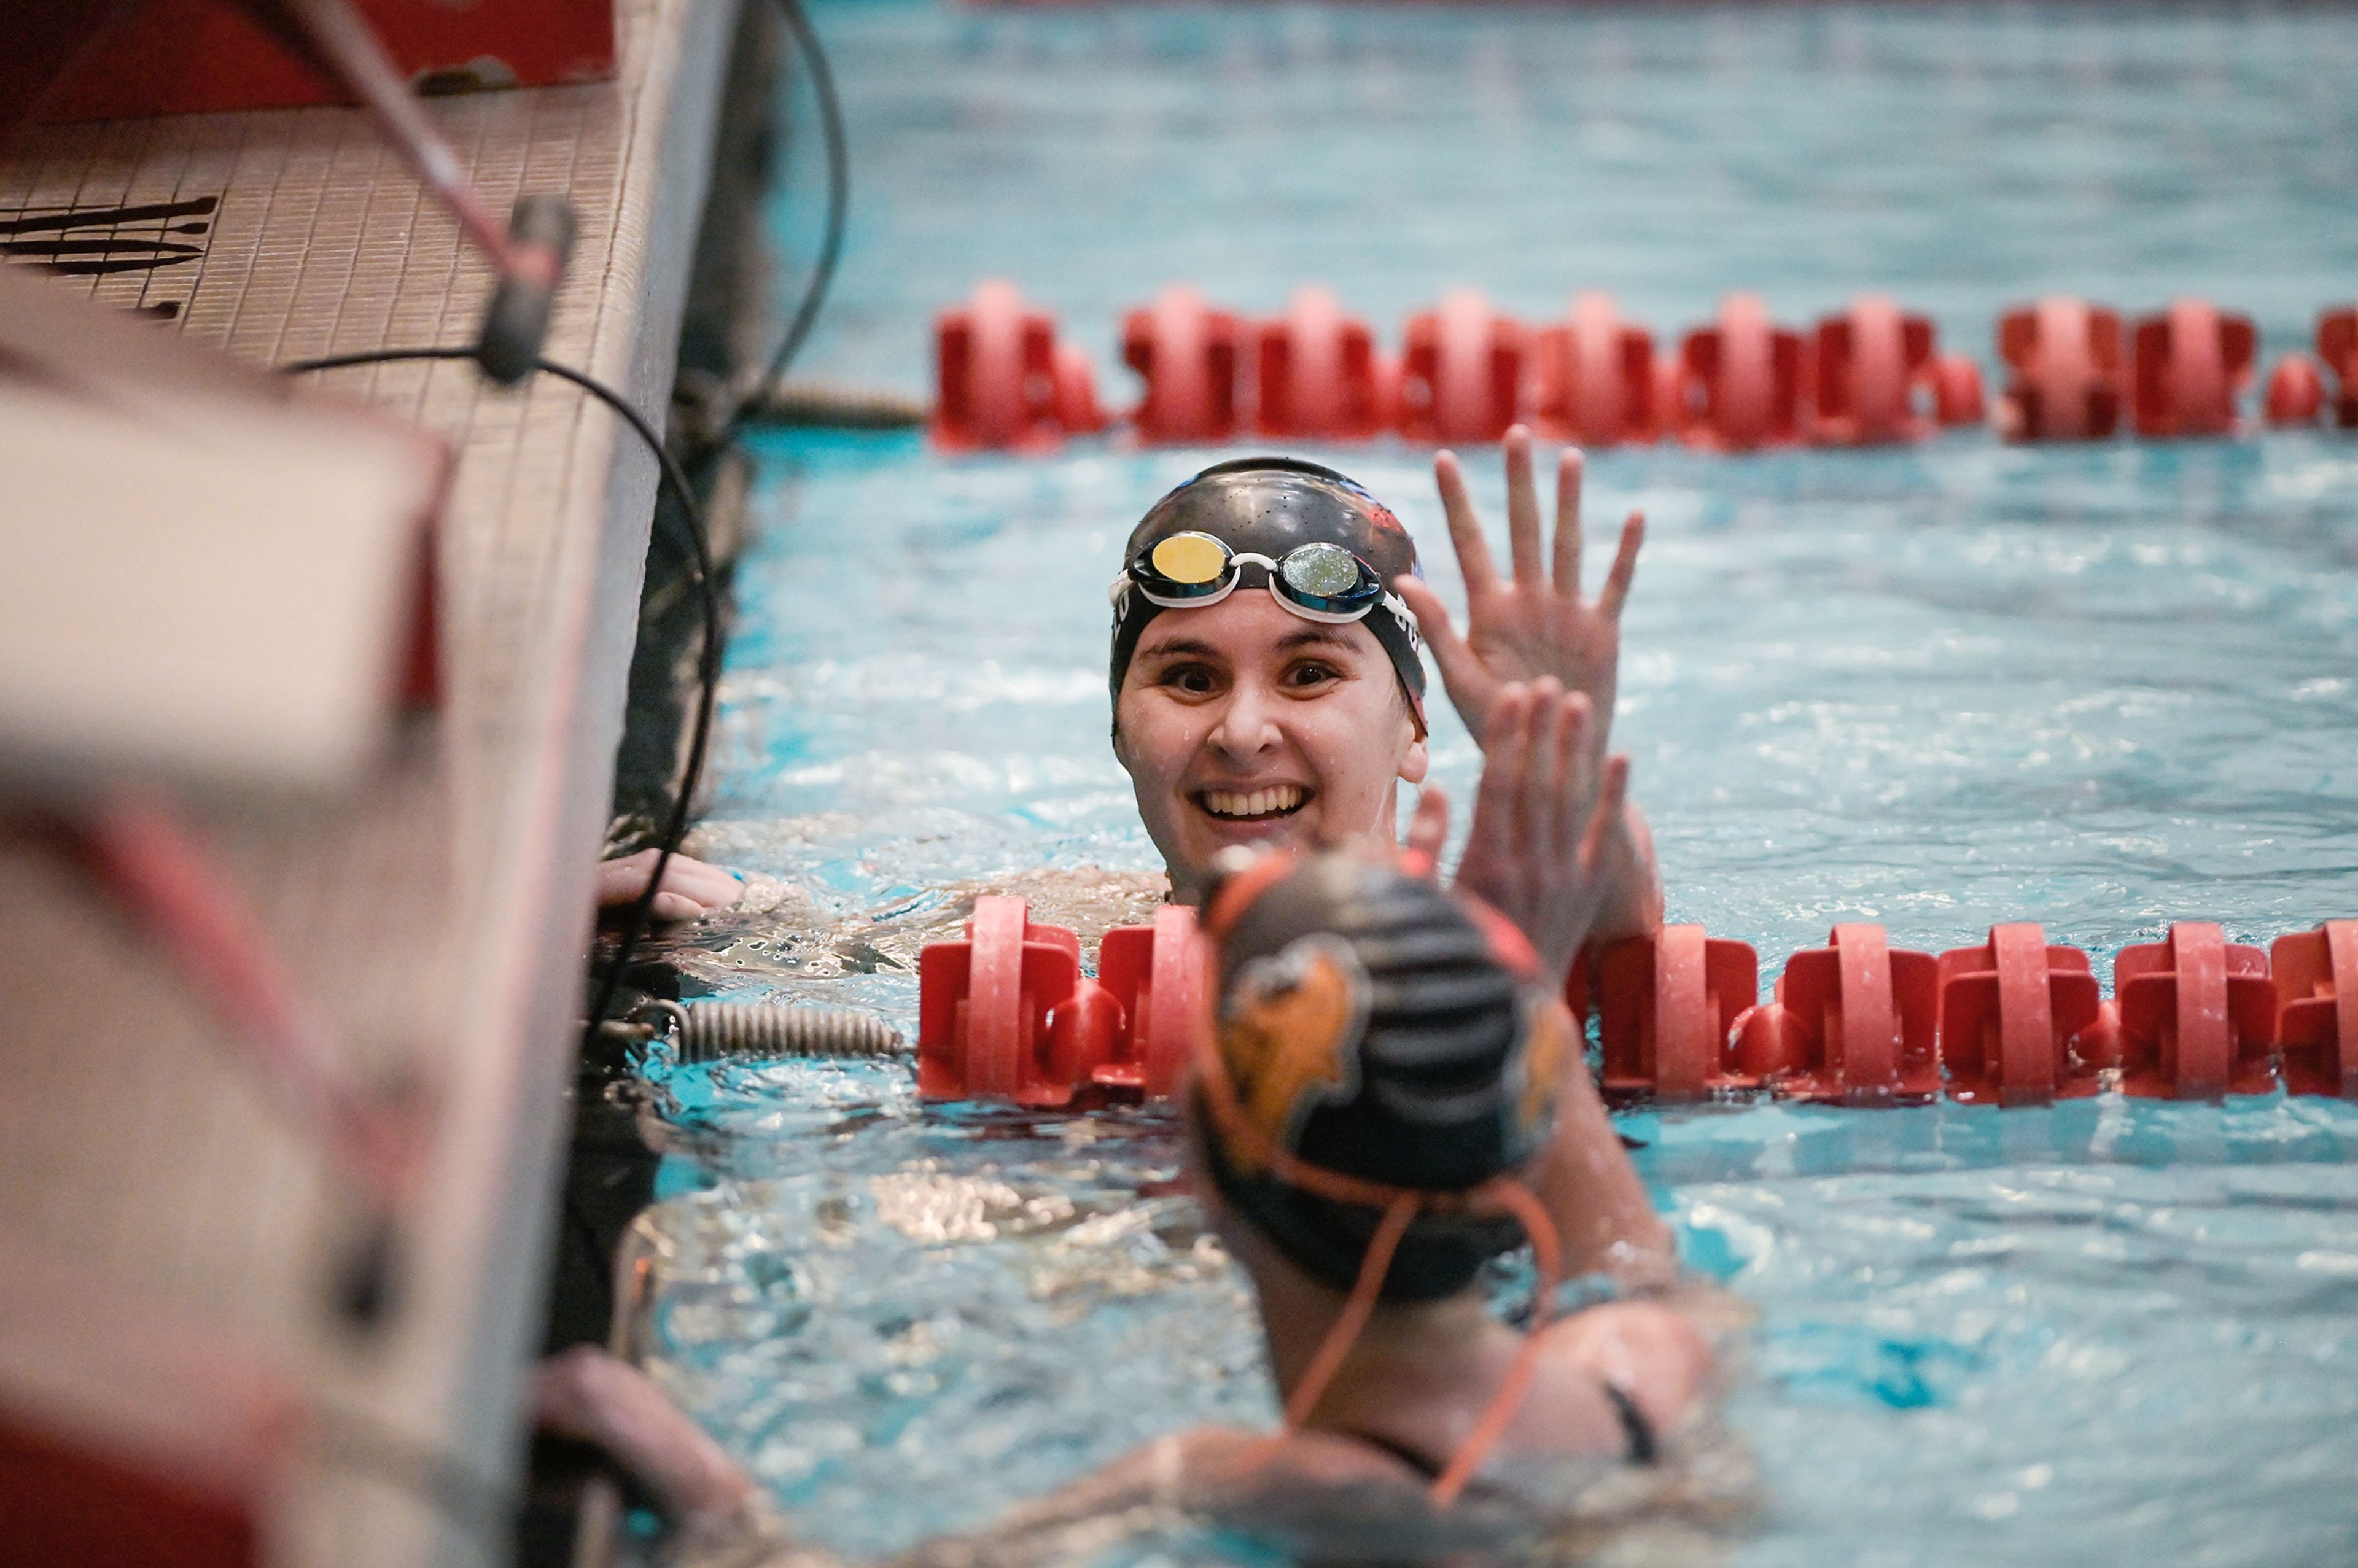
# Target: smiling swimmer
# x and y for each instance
(1267, 674)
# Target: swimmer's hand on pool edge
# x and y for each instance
(691, 889)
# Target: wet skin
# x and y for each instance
(1243, 699)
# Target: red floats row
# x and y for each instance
(1871, 375)
(1007, 1015)
(2014, 1022)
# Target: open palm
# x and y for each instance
(1534, 622)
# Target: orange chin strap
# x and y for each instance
(1501, 1195)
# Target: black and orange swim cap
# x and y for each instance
(1269, 509)
(1374, 1025)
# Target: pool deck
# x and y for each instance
(440, 920)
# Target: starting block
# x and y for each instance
(2010, 1013)
(2316, 979)
(2198, 1016)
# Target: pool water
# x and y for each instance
(2102, 688)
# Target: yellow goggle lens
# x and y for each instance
(1190, 558)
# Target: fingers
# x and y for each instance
(1428, 831)
(1522, 509)
(1575, 790)
(1625, 567)
(1612, 803)
(1465, 527)
(1491, 842)
(1569, 469)
(1461, 671)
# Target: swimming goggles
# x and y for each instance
(1316, 582)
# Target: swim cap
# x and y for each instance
(1375, 1026)
(1271, 507)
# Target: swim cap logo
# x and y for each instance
(1288, 1031)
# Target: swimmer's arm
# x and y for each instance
(1604, 1219)
(1239, 1477)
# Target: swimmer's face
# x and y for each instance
(1241, 723)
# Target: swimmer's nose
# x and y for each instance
(1247, 727)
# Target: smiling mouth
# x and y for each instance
(1253, 806)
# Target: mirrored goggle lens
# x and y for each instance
(1328, 578)
(1187, 566)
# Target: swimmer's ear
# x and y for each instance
(1417, 761)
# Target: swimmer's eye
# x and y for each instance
(1309, 674)
(1191, 680)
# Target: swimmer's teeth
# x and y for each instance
(1259, 803)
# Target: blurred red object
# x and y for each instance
(1864, 368)
(180, 57)
(2337, 345)
(2296, 393)
(1186, 352)
(1003, 381)
(2066, 358)
(1748, 370)
(1320, 372)
(1596, 379)
(1957, 391)
(1461, 372)
(2189, 365)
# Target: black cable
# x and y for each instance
(708, 592)
(838, 199)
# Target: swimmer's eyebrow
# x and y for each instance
(1308, 637)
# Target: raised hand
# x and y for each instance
(1534, 623)
(1549, 847)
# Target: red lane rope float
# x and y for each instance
(1155, 974)
(1006, 1015)
(1864, 368)
(2316, 975)
(1666, 1005)
(2066, 358)
(1461, 372)
(1320, 374)
(1003, 380)
(2011, 1013)
(1957, 396)
(2189, 367)
(1742, 384)
(1596, 377)
(2337, 345)
(2198, 1016)
(1186, 352)
(2296, 394)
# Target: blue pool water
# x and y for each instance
(2102, 688)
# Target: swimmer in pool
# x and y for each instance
(1392, 1096)
(1267, 678)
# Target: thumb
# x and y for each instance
(1462, 670)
